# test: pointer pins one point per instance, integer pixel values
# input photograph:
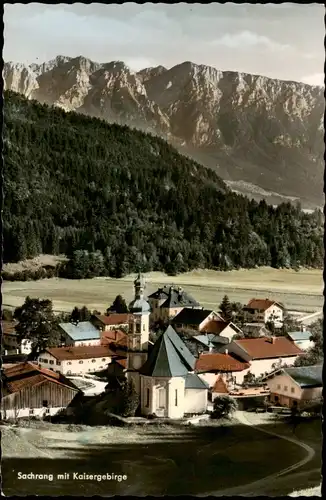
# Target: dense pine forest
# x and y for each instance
(115, 200)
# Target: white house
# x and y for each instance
(297, 386)
(76, 360)
(263, 353)
(265, 310)
(195, 319)
(301, 339)
(29, 390)
(80, 334)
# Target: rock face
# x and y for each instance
(250, 129)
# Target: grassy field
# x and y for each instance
(300, 291)
(158, 460)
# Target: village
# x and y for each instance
(178, 357)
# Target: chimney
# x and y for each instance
(273, 339)
(226, 351)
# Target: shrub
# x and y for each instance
(224, 407)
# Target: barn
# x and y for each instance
(29, 390)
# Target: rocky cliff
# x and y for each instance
(253, 130)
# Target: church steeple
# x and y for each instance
(139, 285)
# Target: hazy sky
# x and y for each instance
(283, 41)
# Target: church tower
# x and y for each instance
(138, 336)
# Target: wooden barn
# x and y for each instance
(29, 390)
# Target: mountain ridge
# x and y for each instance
(248, 128)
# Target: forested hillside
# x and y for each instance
(126, 200)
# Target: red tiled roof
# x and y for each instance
(80, 352)
(264, 347)
(8, 327)
(261, 304)
(219, 362)
(220, 386)
(28, 367)
(121, 361)
(114, 319)
(117, 336)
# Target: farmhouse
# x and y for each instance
(111, 322)
(212, 366)
(195, 319)
(10, 344)
(263, 353)
(80, 334)
(246, 398)
(264, 310)
(221, 327)
(167, 302)
(168, 385)
(76, 360)
(301, 339)
(298, 387)
(30, 390)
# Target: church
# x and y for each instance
(163, 373)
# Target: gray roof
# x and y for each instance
(84, 330)
(299, 335)
(211, 338)
(161, 293)
(177, 297)
(169, 357)
(190, 316)
(193, 381)
(307, 376)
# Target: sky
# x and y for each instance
(284, 41)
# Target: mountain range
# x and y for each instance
(264, 137)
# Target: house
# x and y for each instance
(117, 337)
(245, 398)
(255, 330)
(168, 386)
(301, 339)
(264, 310)
(194, 319)
(79, 334)
(29, 390)
(10, 344)
(76, 360)
(210, 366)
(263, 353)
(297, 386)
(167, 302)
(111, 322)
(221, 327)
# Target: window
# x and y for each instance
(31, 412)
(58, 363)
(276, 399)
(81, 362)
(147, 398)
(292, 390)
(144, 327)
(45, 360)
(45, 403)
(161, 397)
(93, 360)
(51, 362)
(47, 410)
(69, 372)
(138, 330)
(69, 363)
(278, 386)
(176, 397)
(103, 359)
(285, 388)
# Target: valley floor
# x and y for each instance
(299, 290)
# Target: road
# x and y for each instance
(258, 487)
(311, 318)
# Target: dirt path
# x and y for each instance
(255, 488)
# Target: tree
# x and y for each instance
(82, 314)
(226, 309)
(224, 407)
(119, 306)
(314, 355)
(129, 400)
(37, 323)
(249, 378)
